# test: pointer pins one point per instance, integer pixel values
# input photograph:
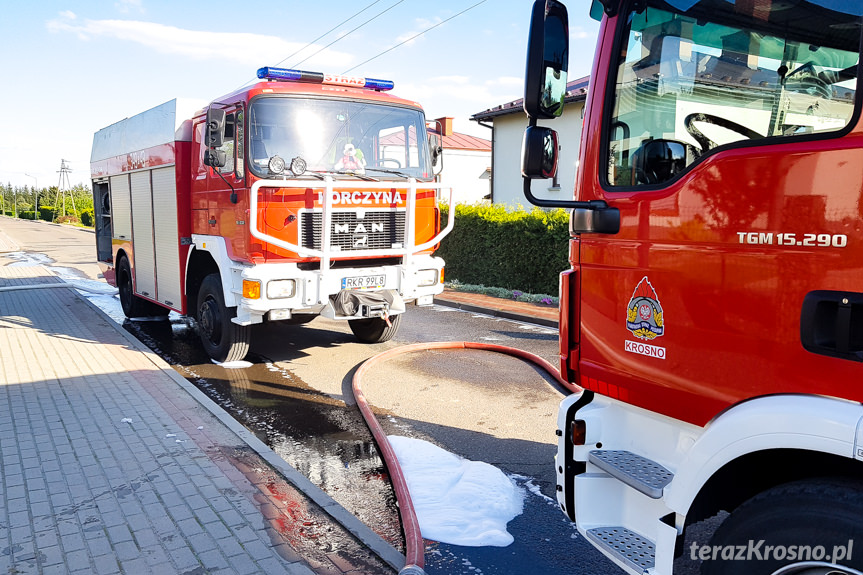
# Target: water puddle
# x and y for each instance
(316, 434)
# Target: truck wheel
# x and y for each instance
(802, 528)
(134, 306)
(223, 340)
(375, 329)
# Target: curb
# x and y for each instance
(497, 313)
(43, 222)
(345, 518)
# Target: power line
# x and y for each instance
(414, 36)
(351, 32)
(322, 35)
(328, 31)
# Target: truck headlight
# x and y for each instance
(281, 289)
(427, 278)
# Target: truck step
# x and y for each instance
(637, 552)
(638, 472)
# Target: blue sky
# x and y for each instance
(71, 68)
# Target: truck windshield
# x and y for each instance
(338, 136)
(697, 74)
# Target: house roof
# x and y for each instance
(576, 91)
(454, 141)
(457, 141)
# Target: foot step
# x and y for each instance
(637, 552)
(636, 471)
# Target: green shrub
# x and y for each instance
(521, 250)
(88, 217)
(68, 219)
(27, 215)
(46, 213)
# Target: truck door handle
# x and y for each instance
(831, 323)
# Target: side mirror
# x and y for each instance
(547, 60)
(435, 148)
(215, 158)
(658, 161)
(215, 127)
(539, 153)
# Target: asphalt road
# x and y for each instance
(480, 405)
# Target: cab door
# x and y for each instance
(227, 200)
(728, 138)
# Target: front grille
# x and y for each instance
(374, 231)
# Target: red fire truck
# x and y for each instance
(713, 312)
(302, 195)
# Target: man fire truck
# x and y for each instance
(713, 312)
(299, 196)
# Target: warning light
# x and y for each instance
(287, 75)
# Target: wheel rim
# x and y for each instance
(210, 320)
(816, 568)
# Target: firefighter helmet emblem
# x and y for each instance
(644, 316)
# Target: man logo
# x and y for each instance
(359, 229)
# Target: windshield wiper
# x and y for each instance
(388, 171)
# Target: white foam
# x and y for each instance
(239, 364)
(458, 501)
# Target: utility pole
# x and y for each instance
(62, 187)
(36, 216)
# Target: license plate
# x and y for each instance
(364, 282)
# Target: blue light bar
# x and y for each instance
(382, 85)
(286, 75)
(269, 73)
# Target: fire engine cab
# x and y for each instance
(302, 195)
(713, 312)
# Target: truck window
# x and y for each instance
(715, 73)
(228, 145)
(240, 167)
(337, 136)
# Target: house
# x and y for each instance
(466, 162)
(508, 122)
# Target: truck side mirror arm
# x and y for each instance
(539, 155)
(592, 217)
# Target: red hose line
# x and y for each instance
(414, 545)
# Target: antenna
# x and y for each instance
(63, 186)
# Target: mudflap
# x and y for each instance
(357, 304)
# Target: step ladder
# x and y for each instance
(632, 549)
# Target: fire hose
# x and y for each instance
(414, 545)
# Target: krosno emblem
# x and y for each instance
(644, 313)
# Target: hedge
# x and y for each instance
(88, 217)
(46, 213)
(509, 249)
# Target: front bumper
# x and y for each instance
(312, 288)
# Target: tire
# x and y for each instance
(375, 329)
(134, 306)
(222, 339)
(795, 517)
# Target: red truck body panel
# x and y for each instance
(709, 245)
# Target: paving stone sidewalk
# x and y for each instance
(108, 466)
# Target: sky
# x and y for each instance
(69, 69)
